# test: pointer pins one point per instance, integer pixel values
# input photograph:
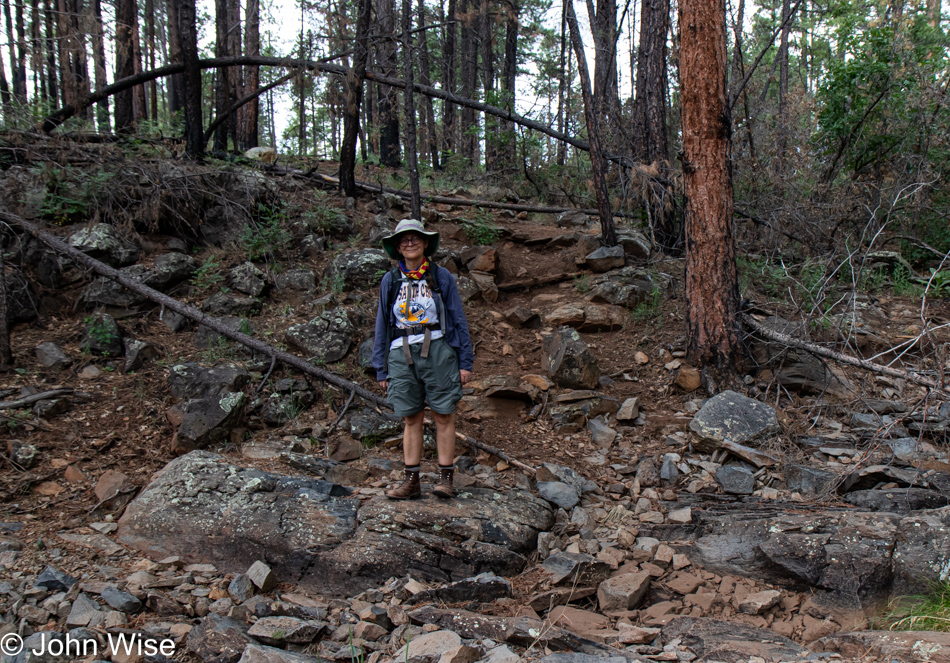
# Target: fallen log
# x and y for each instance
(35, 398)
(192, 313)
(938, 389)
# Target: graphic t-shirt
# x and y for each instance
(415, 306)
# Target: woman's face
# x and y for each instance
(412, 246)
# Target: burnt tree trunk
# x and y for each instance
(19, 71)
(235, 75)
(18, 94)
(50, 43)
(425, 78)
(782, 146)
(506, 139)
(488, 83)
(250, 114)
(176, 84)
(592, 112)
(99, 65)
(563, 58)
(712, 289)
(449, 65)
(649, 112)
(221, 105)
(191, 78)
(352, 98)
(412, 160)
(124, 67)
(139, 102)
(388, 100)
(469, 55)
(150, 58)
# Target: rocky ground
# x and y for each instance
(177, 490)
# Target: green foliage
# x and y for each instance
(267, 237)
(322, 216)
(335, 283)
(208, 274)
(100, 331)
(939, 283)
(582, 283)
(482, 230)
(71, 193)
(922, 612)
(650, 307)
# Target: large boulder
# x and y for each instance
(247, 278)
(209, 511)
(327, 337)
(104, 292)
(170, 269)
(605, 258)
(732, 417)
(569, 361)
(201, 422)
(635, 244)
(100, 241)
(359, 269)
(312, 533)
(729, 642)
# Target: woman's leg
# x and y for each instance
(412, 439)
(444, 437)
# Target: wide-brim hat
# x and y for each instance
(391, 242)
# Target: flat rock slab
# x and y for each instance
(733, 417)
(905, 646)
(434, 540)
(311, 532)
(714, 640)
(862, 558)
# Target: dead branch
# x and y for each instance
(494, 451)
(29, 400)
(759, 328)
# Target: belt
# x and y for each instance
(405, 332)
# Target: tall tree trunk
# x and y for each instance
(50, 42)
(18, 94)
(191, 79)
(235, 75)
(712, 289)
(507, 136)
(150, 58)
(139, 103)
(176, 87)
(99, 65)
(592, 112)
(352, 99)
(650, 139)
(432, 141)
(469, 55)
(250, 114)
(562, 85)
(649, 112)
(5, 93)
(19, 72)
(410, 105)
(221, 105)
(388, 106)
(603, 23)
(124, 67)
(77, 68)
(36, 53)
(783, 90)
(449, 66)
(485, 27)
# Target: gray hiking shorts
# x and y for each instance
(434, 379)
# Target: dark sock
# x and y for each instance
(447, 467)
(413, 468)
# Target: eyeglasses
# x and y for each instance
(410, 239)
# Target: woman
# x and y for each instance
(422, 353)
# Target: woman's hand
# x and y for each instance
(384, 384)
(464, 375)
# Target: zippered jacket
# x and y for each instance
(450, 310)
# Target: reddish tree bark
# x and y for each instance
(712, 289)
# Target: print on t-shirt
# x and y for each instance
(415, 306)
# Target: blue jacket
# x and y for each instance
(456, 326)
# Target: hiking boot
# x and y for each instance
(408, 489)
(444, 487)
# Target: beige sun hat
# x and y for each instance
(391, 242)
